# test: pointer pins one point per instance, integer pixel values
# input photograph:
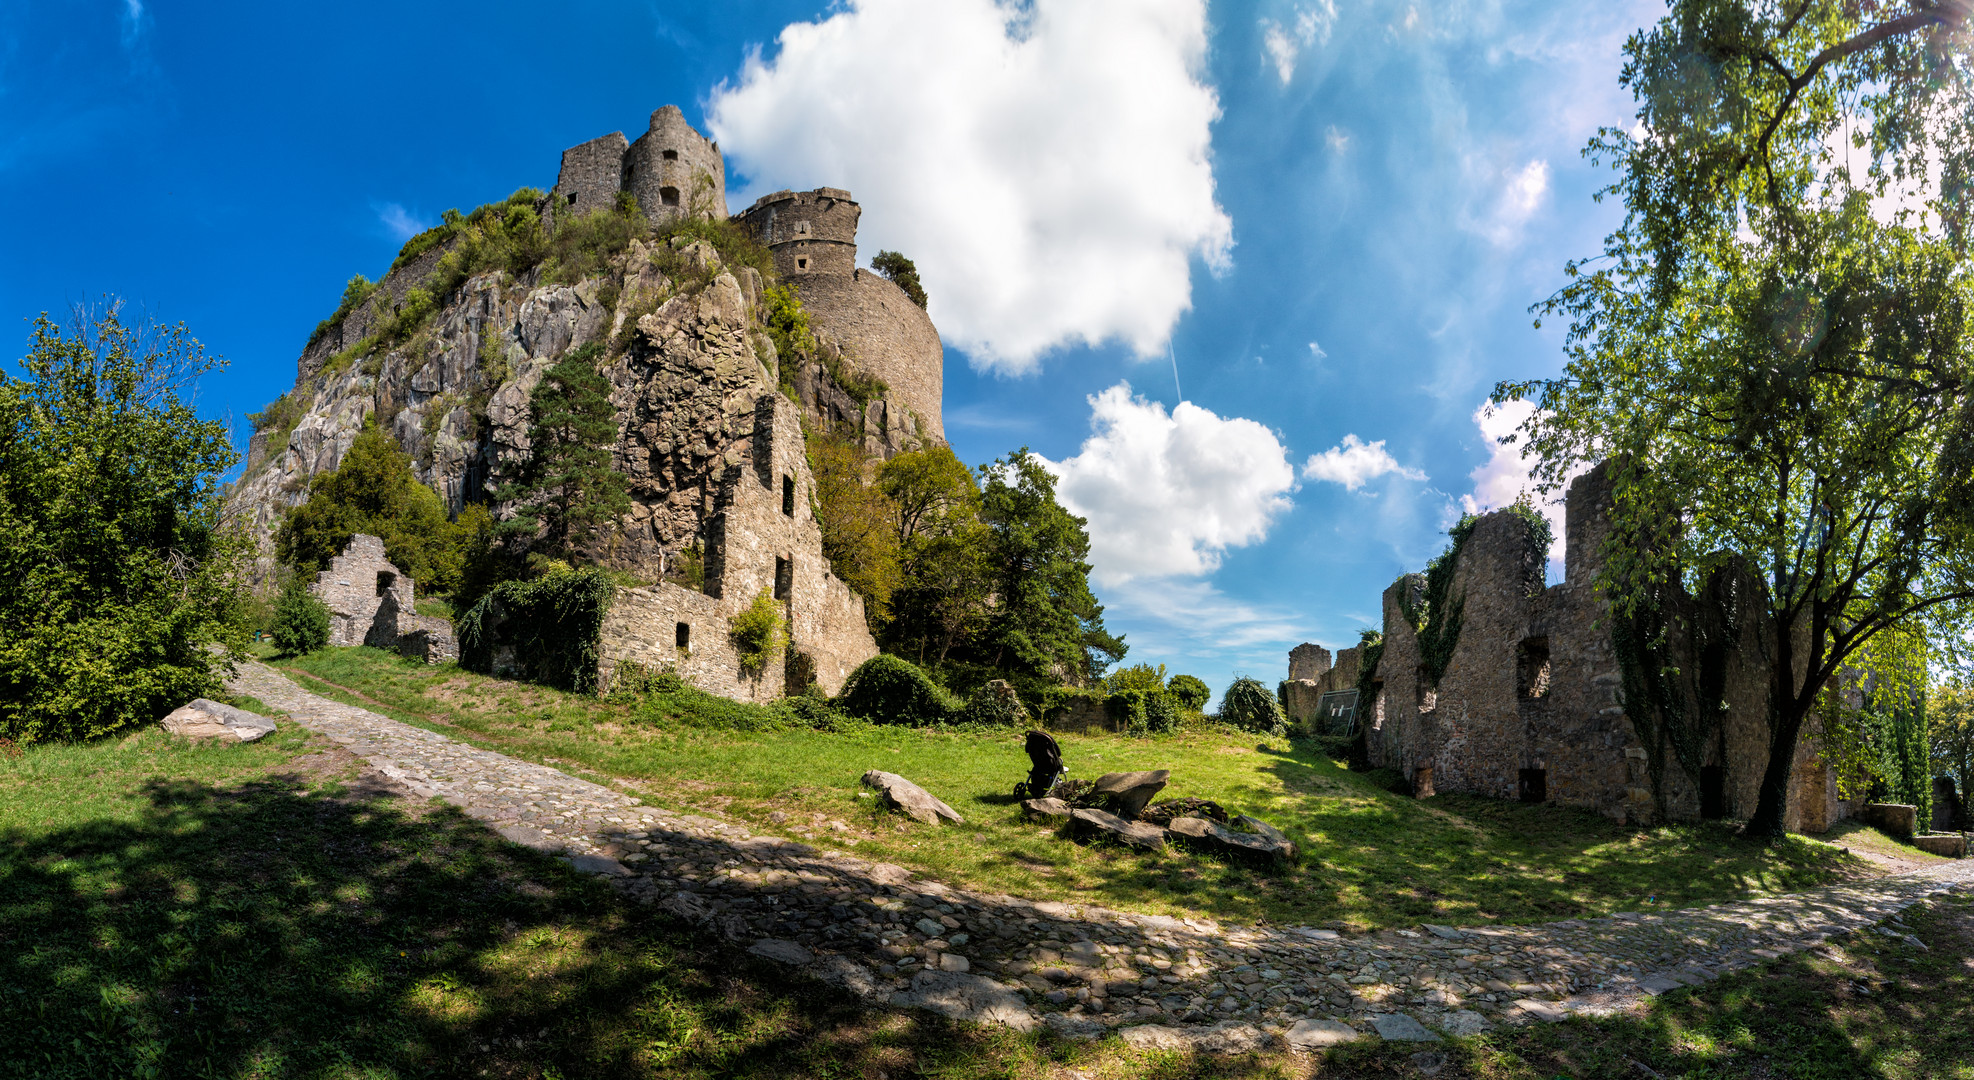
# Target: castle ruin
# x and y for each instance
(1530, 703)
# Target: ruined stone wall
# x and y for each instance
(591, 175)
(643, 627)
(370, 602)
(1308, 662)
(887, 336)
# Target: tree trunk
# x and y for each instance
(1772, 807)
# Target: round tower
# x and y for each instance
(810, 232)
(675, 172)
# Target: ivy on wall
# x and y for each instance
(554, 624)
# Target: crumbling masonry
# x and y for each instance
(1532, 703)
(370, 602)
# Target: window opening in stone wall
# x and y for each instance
(1713, 791)
(801, 264)
(1535, 785)
(784, 577)
(670, 155)
(385, 579)
(1428, 697)
(1422, 782)
(788, 496)
(669, 196)
(682, 637)
(1532, 667)
(572, 198)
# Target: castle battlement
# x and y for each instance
(673, 170)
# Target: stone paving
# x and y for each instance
(892, 938)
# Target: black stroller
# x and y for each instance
(1045, 757)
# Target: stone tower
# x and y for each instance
(813, 235)
(674, 171)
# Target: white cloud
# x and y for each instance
(1505, 475)
(133, 24)
(399, 222)
(1316, 351)
(1047, 164)
(1521, 195)
(1355, 463)
(1166, 495)
(1283, 45)
(1338, 138)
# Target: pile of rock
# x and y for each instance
(1121, 801)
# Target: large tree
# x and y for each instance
(944, 553)
(121, 574)
(1045, 621)
(1774, 348)
(372, 490)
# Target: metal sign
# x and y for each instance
(1336, 712)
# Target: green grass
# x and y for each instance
(1369, 858)
(1867, 1006)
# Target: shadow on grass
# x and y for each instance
(261, 929)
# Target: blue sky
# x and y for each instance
(1330, 216)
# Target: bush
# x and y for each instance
(888, 689)
(301, 622)
(1192, 694)
(1142, 677)
(553, 625)
(1163, 713)
(1250, 707)
(995, 705)
(120, 574)
(757, 633)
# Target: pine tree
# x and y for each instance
(567, 490)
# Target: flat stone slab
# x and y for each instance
(1155, 1037)
(1949, 845)
(1128, 792)
(1050, 810)
(598, 864)
(1659, 984)
(916, 802)
(787, 952)
(1256, 845)
(1446, 932)
(1547, 1011)
(204, 718)
(1314, 1034)
(1078, 1028)
(959, 996)
(1100, 823)
(1464, 1023)
(1400, 1027)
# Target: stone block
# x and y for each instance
(1127, 793)
(915, 802)
(1098, 823)
(1315, 1034)
(203, 718)
(1400, 1027)
(1896, 819)
(1949, 845)
(1048, 810)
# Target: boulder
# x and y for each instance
(1089, 823)
(787, 952)
(1400, 1027)
(959, 996)
(1267, 847)
(1051, 811)
(202, 718)
(1126, 793)
(916, 802)
(1314, 1034)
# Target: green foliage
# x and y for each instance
(991, 707)
(1143, 678)
(787, 323)
(373, 491)
(892, 690)
(566, 492)
(862, 387)
(1436, 615)
(553, 625)
(1191, 692)
(281, 414)
(1950, 730)
(355, 293)
(1769, 362)
(758, 632)
(1249, 706)
(735, 245)
(120, 576)
(941, 601)
(1047, 622)
(902, 273)
(858, 521)
(301, 622)
(1165, 712)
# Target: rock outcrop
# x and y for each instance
(203, 718)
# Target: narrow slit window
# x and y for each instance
(671, 155)
(682, 637)
(784, 576)
(788, 496)
(1532, 667)
(801, 264)
(1428, 696)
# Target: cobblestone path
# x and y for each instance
(892, 938)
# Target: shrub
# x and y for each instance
(1126, 710)
(995, 705)
(1136, 677)
(301, 622)
(902, 273)
(552, 624)
(1192, 694)
(758, 632)
(1249, 706)
(1163, 713)
(889, 689)
(121, 575)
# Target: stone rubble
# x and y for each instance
(892, 938)
(204, 718)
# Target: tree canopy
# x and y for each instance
(121, 572)
(566, 491)
(1774, 347)
(1046, 621)
(372, 490)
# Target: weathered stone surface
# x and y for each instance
(203, 718)
(916, 802)
(599, 864)
(1465, 1022)
(1099, 823)
(960, 996)
(1400, 1027)
(786, 952)
(1231, 1037)
(1050, 810)
(1896, 819)
(1078, 1028)
(370, 602)
(1155, 1037)
(1950, 845)
(1446, 932)
(1543, 1010)
(1314, 1034)
(1215, 837)
(1127, 793)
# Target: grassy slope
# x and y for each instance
(1371, 858)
